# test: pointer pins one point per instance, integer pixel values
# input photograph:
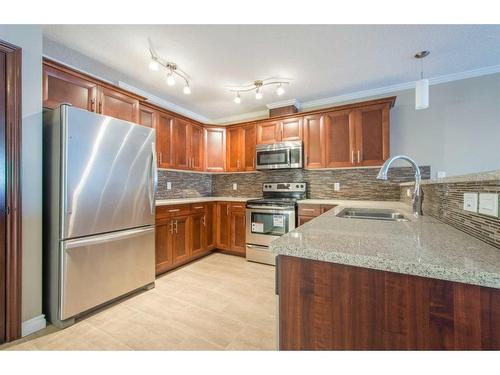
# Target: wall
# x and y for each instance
(29, 38)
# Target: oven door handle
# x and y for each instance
(257, 247)
(271, 208)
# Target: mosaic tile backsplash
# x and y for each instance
(184, 185)
(444, 201)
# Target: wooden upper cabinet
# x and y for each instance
(164, 125)
(314, 156)
(196, 147)
(234, 148)
(146, 116)
(180, 144)
(215, 149)
(61, 87)
(372, 134)
(118, 105)
(339, 139)
(267, 132)
(249, 142)
(290, 129)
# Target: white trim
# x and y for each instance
(164, 103)
(284, 103)
(241, 118)
(33, 325)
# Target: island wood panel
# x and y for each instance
(215, 149)
(328, 306)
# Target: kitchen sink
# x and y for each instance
(372, 214)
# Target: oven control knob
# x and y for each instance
(296, 186)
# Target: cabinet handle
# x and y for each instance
(197, 207)
(352, 156)
(100, 106)
(227, 210)
(307, 209)
(359, 156)
(253, 162)
(92, 105)
(174, 210)
(203, 221)
(238, 164)
(171, 226)
(161, 157)
(176, 227)
(305, 160)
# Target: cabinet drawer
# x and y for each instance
(309, 210)
(172, 210)
(238, 206)
(198, 207)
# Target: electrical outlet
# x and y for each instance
(470, 202)
(488, 204)
(408, 192)
(336, 186)
(235, 186)
(169, 185)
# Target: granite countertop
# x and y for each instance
(422, 246)
(166, 202)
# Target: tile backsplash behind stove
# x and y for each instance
(183, 185)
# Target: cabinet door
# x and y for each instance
(146, 116)
(181, 249)
(163, 248)
(115, 104)
(164, 127)
(61, 87)
(339, 139)
(314, 142)
(196, 148)
(372, 134)
(238, 229)
(211, 225)
(215, 149)
(267, 132)
(327, 207)
(180, 144)
(198, 231)
(305, 219)
(233, 149)
(224, 225)
(291, 129)
(249, 142)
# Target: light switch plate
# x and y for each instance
(235, 186)
(336, 186)
(488, 204)
(470, 202)
(169, 185)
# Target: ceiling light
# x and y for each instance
(422, 85)
(187, 89)
(237, 98)
(258, 94)
(154, 65)
(170, 79)
(280, 90)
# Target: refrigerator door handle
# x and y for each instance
(154, 175)
(108, 237)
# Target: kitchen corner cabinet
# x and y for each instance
(215, 149)
(288, 129)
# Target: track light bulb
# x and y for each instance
(237, 98)
(187, 90)
(154, 65)
(258, 95)
(170, 79)
(280, 91)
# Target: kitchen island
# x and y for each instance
(373, 284)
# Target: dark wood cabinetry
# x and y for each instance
(215, 149)
(196, 147)
(314, 156)
(211, 225)
(339, 139)
(288, 129)
(240, 150)
(249, 143)
(118, 105)
(164, 127)
(163, 250)
(147, 116)
(238, 228)
(372, 134)
(308, 212)
(224, 225)
(180, 144)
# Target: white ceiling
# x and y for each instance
(323, 60)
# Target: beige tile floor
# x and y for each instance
(220, 302)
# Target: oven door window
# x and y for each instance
(279, 157)
(272, 224)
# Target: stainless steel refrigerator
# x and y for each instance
(99, 210)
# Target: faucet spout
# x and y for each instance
(417, 193)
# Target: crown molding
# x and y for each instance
(241, 118)
(77, 69)
(284, 103)
(164, 103)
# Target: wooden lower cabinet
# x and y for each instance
(211, 225)
(308, 212)
(238, 229)
(224, 225)
(329, 306)
(198, 234)
(163, 250)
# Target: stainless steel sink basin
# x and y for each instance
(372, 214)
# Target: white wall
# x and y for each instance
(29, 38)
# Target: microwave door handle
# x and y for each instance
(289, 151)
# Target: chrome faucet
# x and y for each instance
(417, 194)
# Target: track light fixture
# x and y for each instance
(257, 86)
(172, 69)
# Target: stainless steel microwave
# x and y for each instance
(284, 155)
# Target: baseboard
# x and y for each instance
(32, 325)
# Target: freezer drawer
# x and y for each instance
(97, 269)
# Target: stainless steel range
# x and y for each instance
(271, 217)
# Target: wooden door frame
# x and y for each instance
(13, 190)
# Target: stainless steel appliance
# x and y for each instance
(99, 210)
(271, 217)
(285, 155)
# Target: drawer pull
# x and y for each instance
(307, 209)
(174, 210)
(197, 207)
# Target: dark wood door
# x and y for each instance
(181, 249)
(61, 87)
(146, 116)
(291, 129)
(211, 225)
(164, 128)
(234, 137)
(339, 139)
(215, 149)
(224, 225)
(3, 254)
(314, 156)
(372, 134)
(305, 219)
(249, 142)
(198, 235)
(196, 147)
(267, 132)
(238, 229)
(115, 104)
(180, 144)
(163, 245)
